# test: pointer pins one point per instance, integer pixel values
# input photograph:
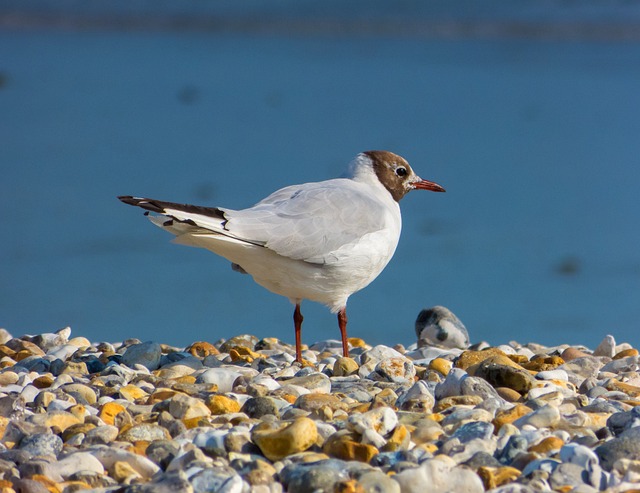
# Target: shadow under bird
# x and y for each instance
(316, 241)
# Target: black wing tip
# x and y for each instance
(147, 204)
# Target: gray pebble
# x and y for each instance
(146, 354)
(42, 444)
(625, 446)
(256, 407)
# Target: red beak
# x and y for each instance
(428, 185)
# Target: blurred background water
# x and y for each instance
(528, 113)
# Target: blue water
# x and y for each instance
(535, 140)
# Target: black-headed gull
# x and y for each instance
(317, 241)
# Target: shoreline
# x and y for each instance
(239, 416)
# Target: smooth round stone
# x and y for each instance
(131, 392)
(377, 482)
(553, 375)
(41, 444)
(87, 394)
(439, 327)
(220, 481)
(202, 349)
(544, 465)
(317, 383)
(316, 402)
(473, 431)
(418, 398)
(607, 347)
(451, 384)
(147, 432)
(441, 365)
(622, 365)
(221, 404)
(471, 357)
(257, 407)
(545, 417)
(314, 477)
(210, 441)
(344, 366)
(578, 454)
(58, 419)
(266, 381)
(147, 354)
(344, 447)
(370, 359)
(168, 483)
(162, 452)
(101, 435)
(185, 407)
(287, 440)
(77, 462)
(63, 352)
(441, 477)
(223, 377)
(581, 368)
(508, 376)
(8, 378)
(625, 446)
(547, 445)
(394, 370)
(243, 340)
(81, 342)
(625, 353)
(381, 420)
(476, 386)
(109, 456)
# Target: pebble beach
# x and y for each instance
(239, 415)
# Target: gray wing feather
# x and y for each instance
(309, 222)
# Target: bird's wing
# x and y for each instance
(310, 222)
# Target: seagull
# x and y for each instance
(320, 241)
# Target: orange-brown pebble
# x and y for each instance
(547, 445)
(441, 365)
(470, 358)
(161, 394)
(625, 353)
(510, 415)
(631, 390)
(202, 349)
(543, 363)
(346, 449)
(131, 392)
(356, 342)
(109, 411)
(572, 353)
(7, 351)
(43, 382)
(348, 486)
(399, 439)
(221, 404)
(508, 394)
(497, 359)
(518, 358)
(242, 353)
(493, 477)
(457, 400)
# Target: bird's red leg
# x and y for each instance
(297, 322)
(342, 323)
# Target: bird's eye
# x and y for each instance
(400, 171)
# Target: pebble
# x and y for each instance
(146, 354)
(240, 416)
(286, 440)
